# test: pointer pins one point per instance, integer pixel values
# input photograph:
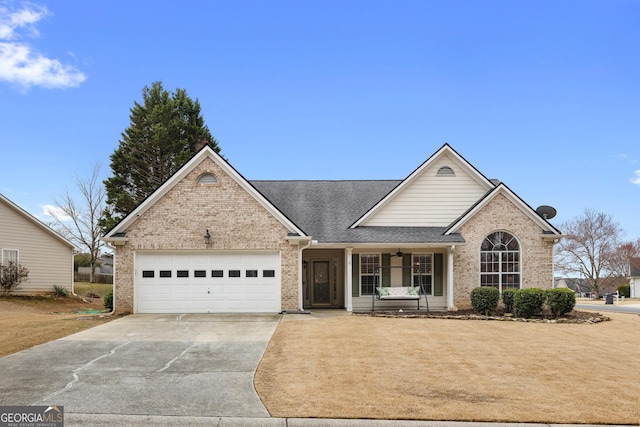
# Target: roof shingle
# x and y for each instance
(326, 209)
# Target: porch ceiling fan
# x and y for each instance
(399, 254)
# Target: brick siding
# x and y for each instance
(177, 222)
(536, 265)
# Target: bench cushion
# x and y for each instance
(399, 292)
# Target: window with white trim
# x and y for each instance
(369, 264)
(500, 261)
(10, 255)
(426, 271)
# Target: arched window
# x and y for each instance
(500, 261)
(207, 178)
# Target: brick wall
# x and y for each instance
(235, 220)
(501, 214)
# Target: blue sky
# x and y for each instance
(543, 95)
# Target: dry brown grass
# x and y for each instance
(436, 369)
(26, 321)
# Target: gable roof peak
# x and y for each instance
(205, 152)
(444, 150)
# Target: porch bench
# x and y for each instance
(398, 293)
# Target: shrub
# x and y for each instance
(528, 302)
(508, 296)
(625, 291)
(560, 301)
(108, 301)
(484, 299)
(11, 276)
(60, 291)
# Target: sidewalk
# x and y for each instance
(146, 420)
(601, 301)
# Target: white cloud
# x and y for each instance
(55, 212)
(21, 63)
(10, 20)
(636, 180)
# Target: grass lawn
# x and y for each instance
(83, 288)
(26, 321)
(467, 370)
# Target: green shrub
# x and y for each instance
(60, 291)
(11, 276)
(108, 301)
(484, 299)
(508, 296)
(529, 302)
(625, 291)
(560, 301)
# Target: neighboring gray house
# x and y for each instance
(27, 241)
(209, 240)
(634, 277)
(579, 286)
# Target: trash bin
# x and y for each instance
(608, 298)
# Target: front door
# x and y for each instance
(321, 283)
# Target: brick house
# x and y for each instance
(208, 240)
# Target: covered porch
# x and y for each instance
(345, 277)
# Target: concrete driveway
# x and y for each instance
(200, 365)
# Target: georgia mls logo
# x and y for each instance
(31, 416)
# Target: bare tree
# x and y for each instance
(590, 249)
(626, 251)
(78, 220)
(11, 276)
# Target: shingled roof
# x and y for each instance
(634, 267)
(326, 209)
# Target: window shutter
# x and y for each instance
(407, 273)
(386, 272)
(355, 275)
(437, 275)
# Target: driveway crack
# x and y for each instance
(168, 364)
(77, 371)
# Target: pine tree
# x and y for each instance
(166, 130)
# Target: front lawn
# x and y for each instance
(84, 288)
(26, 321)
(444, 369)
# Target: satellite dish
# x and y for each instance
(546, 212)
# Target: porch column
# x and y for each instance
(348, 296)
(450, 252)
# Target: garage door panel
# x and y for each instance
(230, 282)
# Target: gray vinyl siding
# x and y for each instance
(48, 258)
(431, 200)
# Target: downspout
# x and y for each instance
(113, 285)
(300, 294)
(73, 273)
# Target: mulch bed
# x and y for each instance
(544, 317)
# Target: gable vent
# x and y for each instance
(445, 171)
(207, 178)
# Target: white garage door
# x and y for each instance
(206, 283)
